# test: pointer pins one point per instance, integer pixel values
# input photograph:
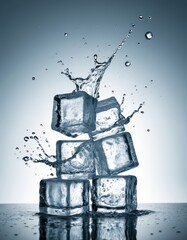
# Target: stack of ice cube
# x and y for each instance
(87, 170)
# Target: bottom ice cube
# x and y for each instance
(114, 194)
(64, 197)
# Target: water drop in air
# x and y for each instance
(26, 139)
(127, 64)
(133, 25)
(140, 17)
(33, 78)
(95, 57)
(65, 34)
(148, 35)
(26, 158)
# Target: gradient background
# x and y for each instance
(32, 39)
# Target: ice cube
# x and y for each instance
(64, 197)
(115, 154)
(108, 118)
(74, 113)
(75, 159)
(114, 194)
(120, 227)
(64, 228)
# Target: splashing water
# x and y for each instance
(91, 83)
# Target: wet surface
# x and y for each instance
(153, 221)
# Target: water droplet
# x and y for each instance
(142, 112)
(126, 55)
(95, 57)
(148, 130)
(148, 35)
(33, 133)
(127, 64)
(17, 148)
(26, 158)
(43, 132)
(33, 78)
(31, 137)
(140, 17)
(138, 43)
(133, 25)
(51, 174)
(41, 125)
(65, 34)
(150, 17)
(35, 138)
(145, 86)
(26, 139)
(130, 31)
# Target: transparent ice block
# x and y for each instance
(74, 113)
(114, 194)
(115, 154)
(75, 159)
(109, 119)
(64, 197)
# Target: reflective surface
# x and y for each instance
(166, 221)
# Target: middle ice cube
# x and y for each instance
(115, 154)
(75, 159)
(74, 113)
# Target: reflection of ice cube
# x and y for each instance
(115, 154)
(120, 228)
(114, 194)
(108, 117)
(75, 159)
(64, 197)
(52, 227)
(74, 113)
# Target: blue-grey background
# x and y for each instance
(32, 41)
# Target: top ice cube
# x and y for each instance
(109, 119)
(74, 113)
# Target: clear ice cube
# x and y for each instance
(114, 194)
(115, 154)
(108, 118)
(74, 113)
(75, 159)
(64, 197)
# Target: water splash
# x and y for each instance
(91, 83)
(127, 119)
